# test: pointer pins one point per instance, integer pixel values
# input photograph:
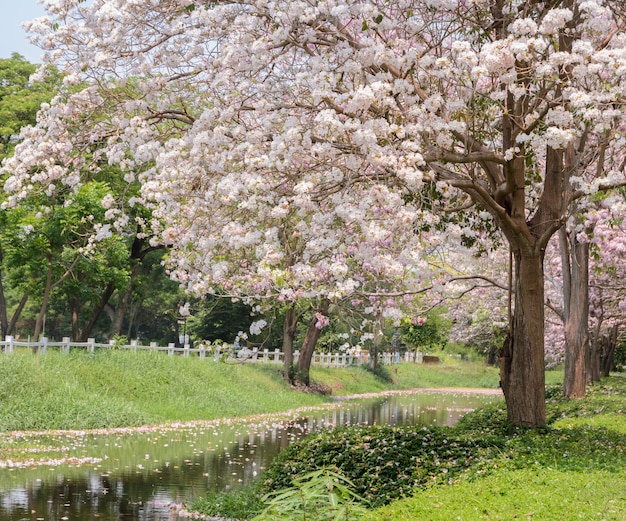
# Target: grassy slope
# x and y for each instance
(576, 469)
(122, 388)
(126, 388)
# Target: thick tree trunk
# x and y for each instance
(576, 314)
(522, 374)
(308, 346)
(289, 333)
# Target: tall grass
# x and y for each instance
(116, 388)
(129, 388)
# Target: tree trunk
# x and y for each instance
(289, 333)
(575, 257)
(308, 346)
(124, 302)
(44, 305)
(595, 340)
(75, 314)
(104, 300)
(4, 316)
(607, 352)
(522, 372)
(377, 342)
(17, 313)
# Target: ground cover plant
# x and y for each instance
(482, 469)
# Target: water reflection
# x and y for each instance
(141, 476)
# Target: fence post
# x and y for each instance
(92, 345)
(170, 349)
(9, 346)
(133, 344)
(265, 356)
(43, 345)
(255, 355)
(276, 356)
(202, 352)
(186, 347)
(217, 354)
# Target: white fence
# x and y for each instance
(216, 353)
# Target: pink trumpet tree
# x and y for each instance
(498, 105)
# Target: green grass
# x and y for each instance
(573, 469)
(452, 373)
(524, 494)
(118, 388)
(129, 388)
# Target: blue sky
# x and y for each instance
(12, 36)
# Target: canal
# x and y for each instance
(145, 474)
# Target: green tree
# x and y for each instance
(20, 99)
(426, 332)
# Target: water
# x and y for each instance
(141, 476)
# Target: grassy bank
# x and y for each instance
(574, 469)
(129, 388)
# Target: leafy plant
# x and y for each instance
(383, 463)
(425, 333)
(321, 495)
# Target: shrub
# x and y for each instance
(383, 463)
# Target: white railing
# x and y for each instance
(216, 353)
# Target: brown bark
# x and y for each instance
(124, 302)
(608, 349)
(4, 318)
(16, 314)
(593, 363)
(75, 306)
(289, 333)
(378, 339)
(106, 296)
(575, 262)
(44, 305)
(522, 375)
(595, 348)
(308, 346)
